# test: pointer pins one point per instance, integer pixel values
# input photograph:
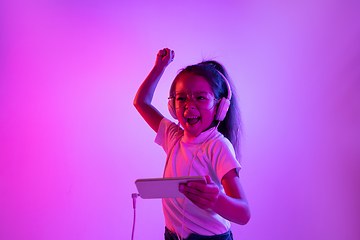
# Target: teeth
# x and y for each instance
(192, 120)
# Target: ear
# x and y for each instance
(222, 109)
(216, 107)
(172, 109)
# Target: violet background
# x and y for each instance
(72, 144)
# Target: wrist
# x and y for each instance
(217, 206)
(159, 68)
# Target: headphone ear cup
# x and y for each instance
(222, 109)
(172, 109)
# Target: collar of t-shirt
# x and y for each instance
(201, 138)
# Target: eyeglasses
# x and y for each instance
(203, 100)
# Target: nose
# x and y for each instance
(190, 103)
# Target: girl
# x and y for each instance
(206, 145)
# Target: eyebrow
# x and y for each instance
(191, 92)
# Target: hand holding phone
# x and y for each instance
(203, 195)
(165, 187)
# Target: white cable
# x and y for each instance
(191, 163)
(134, 196)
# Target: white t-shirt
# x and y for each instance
(215, 156)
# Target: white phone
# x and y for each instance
(164, 187)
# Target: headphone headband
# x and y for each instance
(227, 85)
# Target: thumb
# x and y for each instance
(208, 179)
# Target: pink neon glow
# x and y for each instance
(72, 144)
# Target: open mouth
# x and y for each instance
(192, 120)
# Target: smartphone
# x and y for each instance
(164, 187)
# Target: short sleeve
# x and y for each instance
(224, 158)
(167, 134)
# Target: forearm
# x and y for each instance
(233, 209)
(144, 96)
(146, 91)
(231, 205)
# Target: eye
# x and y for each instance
(180, 98)
(201, 96)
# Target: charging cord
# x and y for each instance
(134, 196)
(191, 164)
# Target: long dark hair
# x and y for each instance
(231, 126)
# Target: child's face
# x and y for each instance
(195, 115)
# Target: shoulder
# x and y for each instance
(222, 155)
(220, 143)
(169, 127)
(167, 133)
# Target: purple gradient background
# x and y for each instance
(72, 144)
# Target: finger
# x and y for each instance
(160, 53)
(205, 198)
(209, 193)
(208, 179)
(206, 188)
(200, 201)
(196, 185)
(163, 52)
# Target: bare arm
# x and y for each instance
(232, 205)
(145, 93)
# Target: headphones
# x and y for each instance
(223, 105)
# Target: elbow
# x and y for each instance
(137, 107)
(142, 107)
(136, 101)
(245, 217)
(137, 104)
(140, 103)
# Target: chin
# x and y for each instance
(193, 132)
